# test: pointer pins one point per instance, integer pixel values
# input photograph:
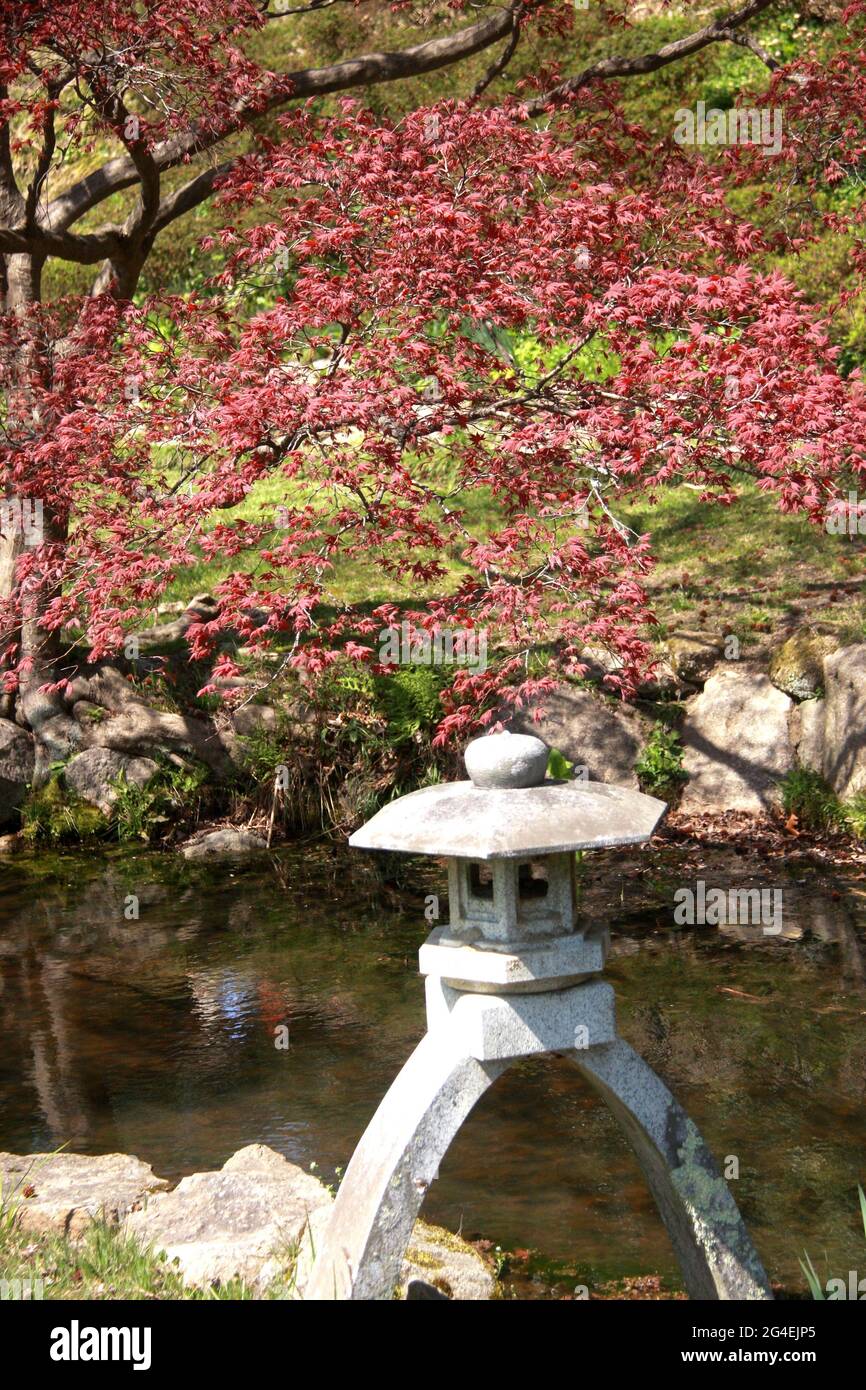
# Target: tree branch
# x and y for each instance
(366, 70)
(719, 31)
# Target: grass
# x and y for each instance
(806, 795)
(104, 1264)
(744, 568)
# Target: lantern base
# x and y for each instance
(472, 1041)
(523, 967)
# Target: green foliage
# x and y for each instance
(173, 794)
(854, 812)
(807, 796)
(558, 766)
(104, 1263)
(409, 701)
(54, 814)
(660, 767)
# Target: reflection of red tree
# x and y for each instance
(273, 1007)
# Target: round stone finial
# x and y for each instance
(506, 760)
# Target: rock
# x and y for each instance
(797, 666)
(437, 1263)
(243, 1221)
(91, 775)
(662, 683)
(806, 726)
(448, 1264)
(258, 1218)
(506, 760)
(692, 655)
(138, 729)
(590, 731)
(227, 844)
(600, 663)
(57, 739)
(17, 762)
(203, 608)
(251, 719)
(62, 1192)
(831, 733)
(737, 745)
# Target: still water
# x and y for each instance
(156, 1037)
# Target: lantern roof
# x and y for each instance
(510, 810)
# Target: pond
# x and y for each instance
(156, 1036)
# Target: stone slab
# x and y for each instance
(529, 969)
(491, 1028)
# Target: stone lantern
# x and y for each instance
(510, 976)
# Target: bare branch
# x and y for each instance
(719, 31)
(87, 249)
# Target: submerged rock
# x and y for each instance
(228, 843)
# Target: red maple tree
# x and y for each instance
(526, 297)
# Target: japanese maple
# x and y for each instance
(525, 298)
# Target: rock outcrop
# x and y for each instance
(258, 1219)
(62, 1193)
(737, 744)
(830, 734)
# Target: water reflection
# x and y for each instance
(157, 1037)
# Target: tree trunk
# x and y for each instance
(30, 372)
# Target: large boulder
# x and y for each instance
(93, 774)
(605, 737)
(737, 744)
(830, 734)
(261, 1218)
(244, 1221)
(137, 729)
(17, 761)
(797, 666)
(62, 1193)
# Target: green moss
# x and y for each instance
(54, 814)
